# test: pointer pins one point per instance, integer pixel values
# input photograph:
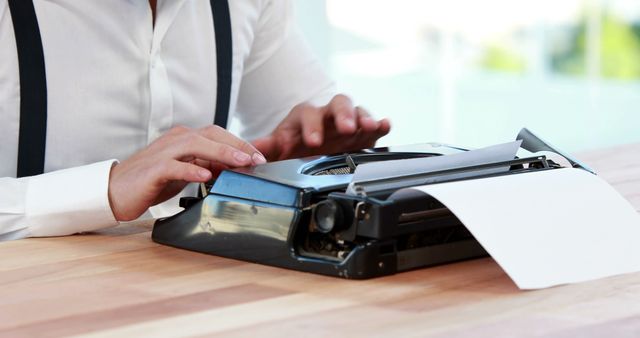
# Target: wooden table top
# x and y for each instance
(119, 283)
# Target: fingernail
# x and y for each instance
(204, 174)
(258, 159)
(368, 119)
(350, 123)
(241, 157)
(315, 137)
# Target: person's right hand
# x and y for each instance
(161, 170)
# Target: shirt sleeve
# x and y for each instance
(57, 203)
(280, 72)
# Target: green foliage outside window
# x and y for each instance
(502, 58)
(619, 50)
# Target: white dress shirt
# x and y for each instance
(115, 83)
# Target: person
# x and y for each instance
(132, 90)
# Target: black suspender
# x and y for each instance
(224, 54)
(33, 89)
(33, 81)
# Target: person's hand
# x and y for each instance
(309, 130)
(164, 168)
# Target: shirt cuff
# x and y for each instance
(69, 201)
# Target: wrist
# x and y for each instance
(110, 189)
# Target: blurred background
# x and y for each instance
(472, 73)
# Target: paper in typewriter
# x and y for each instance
(402, 168)
(548, 228)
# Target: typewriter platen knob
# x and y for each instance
(327, 215)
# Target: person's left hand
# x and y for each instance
(336, 127)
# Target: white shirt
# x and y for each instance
(115, 83)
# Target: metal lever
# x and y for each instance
(533, 143)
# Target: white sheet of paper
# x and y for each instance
(550, 227)
(400, 168)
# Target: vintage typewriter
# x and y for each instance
(311, 215)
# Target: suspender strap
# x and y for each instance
(33, 89)
(224, 55)
(33, 81)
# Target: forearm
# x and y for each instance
(57, 203)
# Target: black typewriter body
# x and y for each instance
(295, 214)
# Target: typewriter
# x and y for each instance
(318, 215)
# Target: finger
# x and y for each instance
(344, 114)
(369, 140)
(384, 127)
(209, 165)
(221, 135)
(217, 168)
(360, 140)
(214, 167)
(197, 146)
(182, 171)
(312, 120)
(365, 121)
(268, 147)
(363, 139)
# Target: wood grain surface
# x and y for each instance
(119, 283)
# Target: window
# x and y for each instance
(473, 73)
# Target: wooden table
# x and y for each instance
(119, 283)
